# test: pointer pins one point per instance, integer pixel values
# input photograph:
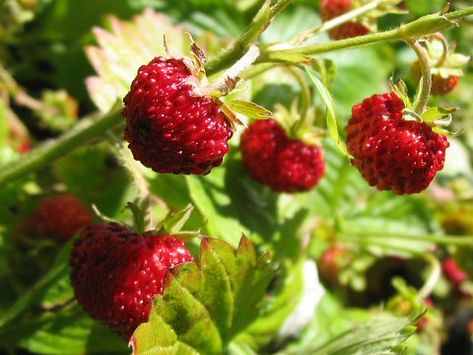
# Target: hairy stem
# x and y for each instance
(419, 28)
(426, 81)
(260, 22)
(81, 134)
(337, 21)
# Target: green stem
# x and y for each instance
(466, 241)
(257, 26)
(306, 95)
(82, 133)
(434, 275)
(416, 29)
(426, 81)
(337, 21)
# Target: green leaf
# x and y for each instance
(331, 115)
(174, 222)
(249, 109)
(379, 336)
(206, 304)
(121, 52)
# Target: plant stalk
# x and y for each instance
(416, 29)
(86, 130)
(426, 81)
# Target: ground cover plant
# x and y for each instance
(236, 177)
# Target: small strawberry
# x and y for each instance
(60, 217)
(440, 85)
(453, 272)
(115, 273)
(331, 262)
(284, 164)
(333, 8)
(24, 147)
(393, 153)
(169, 127)
(446, 66)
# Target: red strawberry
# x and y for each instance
(116, 273)
(282, 163)
(349, 30)
(453, 272)
(440, 85)
(169, 128)
(393, 153)
(333, 8)
(60, 217)
(24, 147)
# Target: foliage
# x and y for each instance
(65, 67)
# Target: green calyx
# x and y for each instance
(297, 125)
(436, 117)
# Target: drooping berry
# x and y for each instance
(170, 128)
(393, 153)
(60, 217)
(330, 9)
(440, 85)
(115, 273)
(282, 163)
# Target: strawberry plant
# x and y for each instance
(246, 177)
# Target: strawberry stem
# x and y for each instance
(86, 130)
(426, 82)
(441, 38)
(258, 25)
(421, 27)
(434, 275)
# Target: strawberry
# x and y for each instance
(393, 153)
(446, 65)
(115, 273)
(169, 127)
(441, 85)
(330, 9)
(282, 163)
(60, 217)
(453, 272)
(331, 262)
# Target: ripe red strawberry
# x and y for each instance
(453, 272)
(440, 86)
(349, 30)
(168, 127)
(60, 217)
(282, 163)
(393, 153)
(116, 273)
(333, 8)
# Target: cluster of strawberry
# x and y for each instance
(172, 127)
